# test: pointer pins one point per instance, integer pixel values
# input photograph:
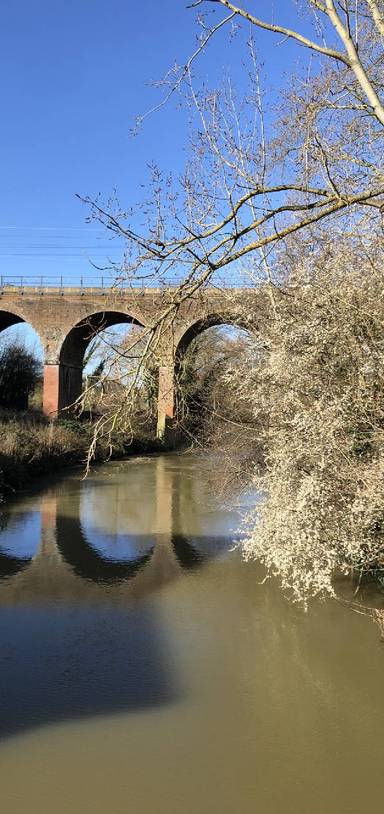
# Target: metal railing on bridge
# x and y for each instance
(106, 283)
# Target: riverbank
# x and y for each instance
(31, 446)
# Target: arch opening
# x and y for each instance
(170, 397)
(203, 352)
(88, 350)
(21, 364)
(198, 328)
(214, 366)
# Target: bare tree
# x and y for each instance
(252, 192)
(251, 181)
(345, 21)
(294, 201)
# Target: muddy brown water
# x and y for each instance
(145, 669)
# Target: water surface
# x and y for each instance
(145, 669)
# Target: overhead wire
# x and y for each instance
(62, 242)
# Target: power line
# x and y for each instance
(37, 247)
(49, 256)
(54, 228)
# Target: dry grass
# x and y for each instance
(30, 446)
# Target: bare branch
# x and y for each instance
(187, 67)
(287, 32)
(377, 14)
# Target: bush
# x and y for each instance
(20, 371)
(321, 385)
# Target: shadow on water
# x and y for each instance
(61, 665)
(80, 631)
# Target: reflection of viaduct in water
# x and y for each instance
(67, 567)
(66, 319)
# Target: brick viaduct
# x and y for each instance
(66, 319)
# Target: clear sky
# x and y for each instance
(73, 77)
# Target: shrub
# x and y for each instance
(19, 374)
(321, 384)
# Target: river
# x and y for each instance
(145, 668)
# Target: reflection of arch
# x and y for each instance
(188, 549)
(187, 555)
(74, 347)
(12, 565)
(84, 559)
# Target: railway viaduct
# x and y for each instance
(67, 318)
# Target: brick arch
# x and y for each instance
(64, 381)
(16, 317)
(187, 334)
(80, 335)
(187, 328)
(9, 318)
(198, 326)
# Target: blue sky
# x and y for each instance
(74, 75)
